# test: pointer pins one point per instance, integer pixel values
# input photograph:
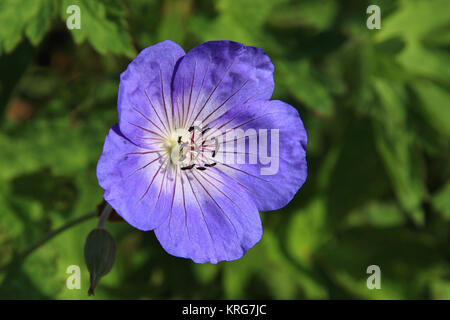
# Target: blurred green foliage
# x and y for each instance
(376, 105)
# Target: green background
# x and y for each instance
(375, 103)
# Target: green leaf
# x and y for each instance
(256, 269)
(307, 230)
(407, 260)
(205, 273)
(173, 21)
(318, 15)
(24, 17)
(440, 289)
(305, 86)
(103, 24)
(435, 102)
(441, 201)
(36, 28)
(394, 143)
(379, 214)
(242, 22)
(357, 174)
(414, 21)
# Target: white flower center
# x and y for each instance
(186, 149)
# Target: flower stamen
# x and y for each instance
(186, 150)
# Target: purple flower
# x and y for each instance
(167, 167)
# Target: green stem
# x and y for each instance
(104, 216)
(53, 233)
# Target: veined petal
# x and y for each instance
(138, 183)
(272, 180)
(212, 219)
(216, 76)
(144, 101)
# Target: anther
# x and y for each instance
(191, 129)
(200, 168)
(188, 167)
(210, 164)
(204, 131)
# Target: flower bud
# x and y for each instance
(99, 254)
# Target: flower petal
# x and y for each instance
(144, 101)
(271, 185)
(137, 182)
(217, 76)
(212, 219)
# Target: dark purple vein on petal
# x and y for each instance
(171, 204)
(163, 98)
(203, 215)
(225, 195)
(185, 117)
(254, 119)
(199, 91)
(144, 152)
(235, 139)
(184, 206)
(251, 97)
(242, 124)
(215, 88)
(150, 138)
(154, 110)
(149, 143)
(237, 152)
(163, 183)
(214, 200)
(206, 137)
(172, 104)
(147, 130)
(242, 171)
(145, 166)
(226, 100)
(149, 120)
(154, 176)
(223, 172)
(181, 113)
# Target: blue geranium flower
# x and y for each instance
(164, 167)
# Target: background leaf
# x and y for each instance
(103, 25)
(24, 17)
